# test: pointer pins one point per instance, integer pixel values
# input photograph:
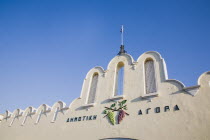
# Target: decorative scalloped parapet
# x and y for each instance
(160, 64)
(43, 109)
(22, 116)
(204, 79)
(134, 76)
(87, 81)
(134, 88)
(15, 115)
(29, 112)
(58, 107)
(192, 90)
(7, 115)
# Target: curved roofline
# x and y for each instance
(200, 77)
(150, 52)
(101, 69)
(125, 54)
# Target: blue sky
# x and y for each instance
(48, 46)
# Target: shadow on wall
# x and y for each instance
(118, 139)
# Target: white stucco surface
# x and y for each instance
(164, 121)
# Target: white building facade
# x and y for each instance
(128, 100)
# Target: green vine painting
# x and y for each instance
(118, 107)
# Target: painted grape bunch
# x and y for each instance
(121, 115)
(111, 117)
(109, 111)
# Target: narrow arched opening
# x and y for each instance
(93, 87)
(119, 79)
(150, 80)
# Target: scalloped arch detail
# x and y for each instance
(176, 81)
(7, 114)
(118, 59)
(59, 104)
(17, 112)
(29, 109)
(44, 108)
(127, 60)
(202, 76)
(97, 69)
(154, 54)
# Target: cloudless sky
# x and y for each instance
(48, 46)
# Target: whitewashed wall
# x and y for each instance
(190, 122)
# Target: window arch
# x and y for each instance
(150, 80)
(119, 79)
(93, 87)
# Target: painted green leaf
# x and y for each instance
(113, 105)
(105, 112)
(124, 101)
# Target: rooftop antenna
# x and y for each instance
(122, 50)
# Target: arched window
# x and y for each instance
(119, 81)
(150, 81)
(93, 87)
